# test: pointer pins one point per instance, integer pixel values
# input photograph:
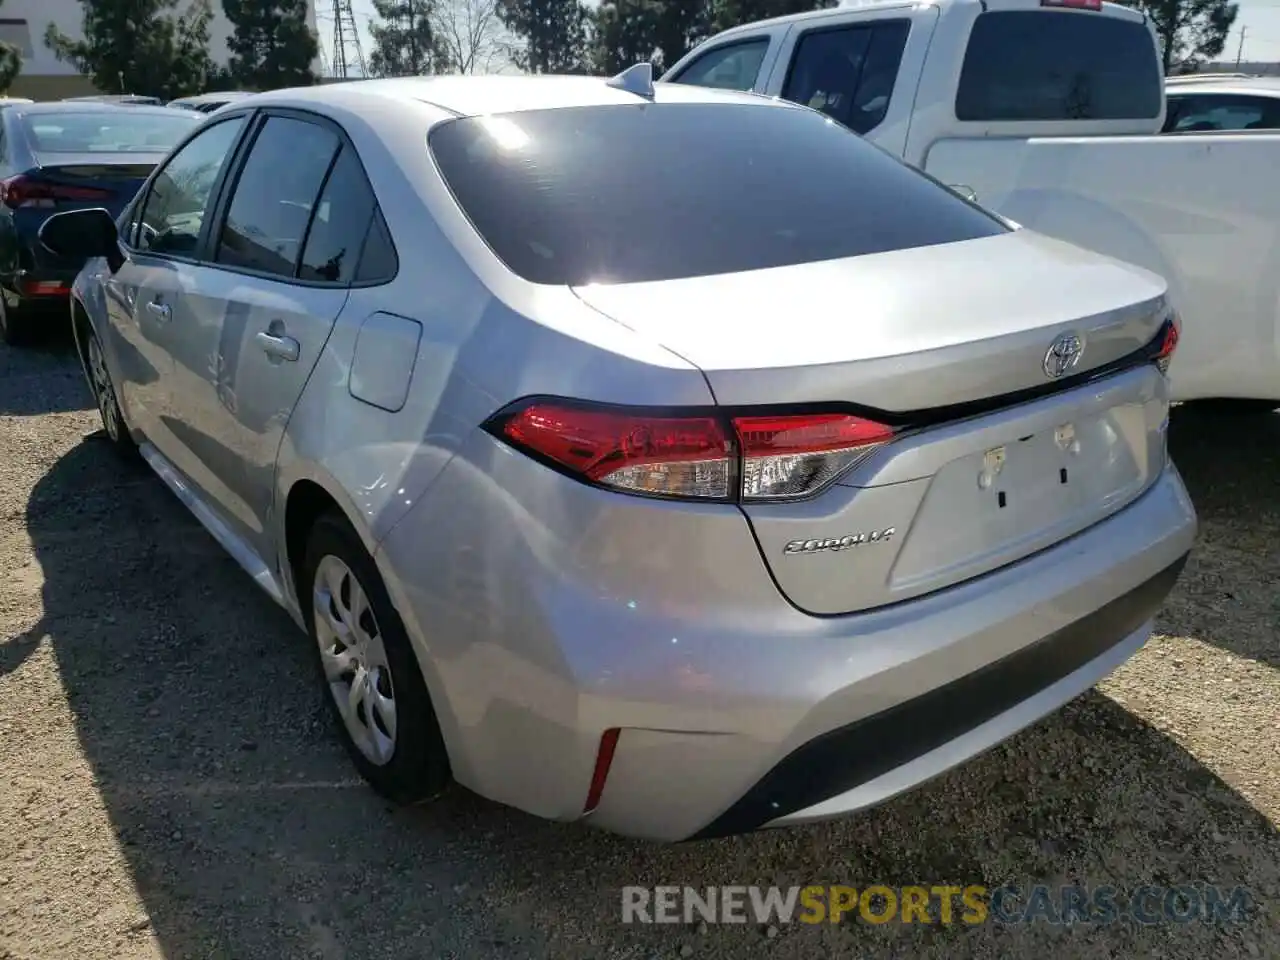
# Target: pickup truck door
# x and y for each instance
(861, 66)
(741, 61)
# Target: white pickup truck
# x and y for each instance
(1047, 112)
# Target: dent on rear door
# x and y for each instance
(232, 398)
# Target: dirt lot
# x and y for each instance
(169, 785)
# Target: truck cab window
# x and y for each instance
(848, 73)
(1040, 65)
(733, 66)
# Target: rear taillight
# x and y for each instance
(703, 455)
(27, 191)
(1166, 343)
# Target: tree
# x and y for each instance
(732, 13)
(404, 42)
(627, 32)
(140, 46)
(551, 34)
(470, 33)
(10, 63)
(271, 45)
(1190, 31)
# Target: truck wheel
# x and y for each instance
(368, 668)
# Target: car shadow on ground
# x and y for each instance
(1229, 594)
(248, 835)
(38, 377)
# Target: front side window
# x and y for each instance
(620, 194)
(849, 73)
(275, 195)
(734, 66)
(1041, 65)
(1196, 113)
(174, 210)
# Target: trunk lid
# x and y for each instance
(117, 176)
(994, 460)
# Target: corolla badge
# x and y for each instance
(1063, 355)
(834, 544)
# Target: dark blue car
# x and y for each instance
(60, 156)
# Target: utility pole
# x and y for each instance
(1240, 48)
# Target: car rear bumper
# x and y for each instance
(735, 710)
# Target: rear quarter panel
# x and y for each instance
(1199, 211)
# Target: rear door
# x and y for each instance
(254, 319)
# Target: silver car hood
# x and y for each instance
(905, 330)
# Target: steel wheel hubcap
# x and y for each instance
(354, 660)
(103, 392)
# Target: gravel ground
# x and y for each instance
(170, 786)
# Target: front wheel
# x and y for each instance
(369, 670)
(15, 330)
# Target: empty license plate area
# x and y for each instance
(1009, 499)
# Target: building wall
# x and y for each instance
(44, 77)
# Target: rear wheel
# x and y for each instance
(369, 670)
(1234, 407)
(104, 396)
(15, 328)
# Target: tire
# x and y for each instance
(411, 765)
(114, 428)
(15, 327)
(1231, 407)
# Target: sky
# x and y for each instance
(1258, 21)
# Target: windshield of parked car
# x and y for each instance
(111, 130)
(619, 194)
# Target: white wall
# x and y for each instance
(67, 14)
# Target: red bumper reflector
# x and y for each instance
(45, 288)
(604, 758)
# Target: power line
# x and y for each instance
(348, 53)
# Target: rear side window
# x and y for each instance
(849, 73)
(619, 194)
(1195, 114)
(731, 67)
(340, 223)
(275, 195)
(378, 261)
(1026, 65)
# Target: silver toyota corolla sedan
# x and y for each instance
(664, 457)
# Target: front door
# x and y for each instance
(161, 239)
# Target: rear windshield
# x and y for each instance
(115, 130)
(1058, 65)
(621, 194)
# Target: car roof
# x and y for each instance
(1234, 86)
(219, 97)
(95, 106)
(467, 96)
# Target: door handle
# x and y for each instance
(161, 311)
(280, 348)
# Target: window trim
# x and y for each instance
(753, 40)
(221, 207)
(867, 24)
(139, 203)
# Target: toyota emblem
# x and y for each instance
(1063, 355)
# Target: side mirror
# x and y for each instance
(82, 234)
